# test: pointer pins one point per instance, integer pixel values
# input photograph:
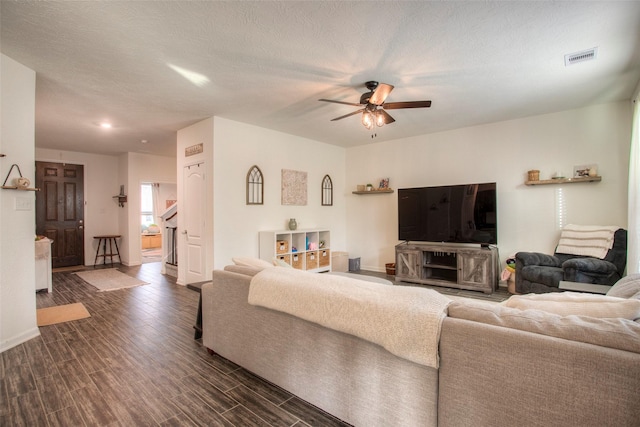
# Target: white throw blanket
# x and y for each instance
(588, 240)
(404, 320)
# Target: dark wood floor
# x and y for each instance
(134, 362)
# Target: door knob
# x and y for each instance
(184, 232)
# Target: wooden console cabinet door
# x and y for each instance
(409, 264)
(476, 269)
(151, 241)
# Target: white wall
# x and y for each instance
(101, 183)
(166, 192)
(528, 216)
(237, 148)
(17, 226)
(124, 213)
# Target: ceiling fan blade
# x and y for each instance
(347, 115)
(408, 104)
(387, 117)
(340, 102)
(382, 91)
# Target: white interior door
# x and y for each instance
(193, 211)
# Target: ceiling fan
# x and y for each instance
(373, 105)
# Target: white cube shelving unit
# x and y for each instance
(307, 250)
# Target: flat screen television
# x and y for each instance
(451, 214)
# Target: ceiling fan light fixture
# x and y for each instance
(368, 120)
(373, 106)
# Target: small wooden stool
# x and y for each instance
(112, 241)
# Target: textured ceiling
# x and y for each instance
(267, 64)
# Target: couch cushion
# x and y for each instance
(549, 276)
(364, 277)
(281, 263)
(626, 287)
(616, 333)
(243, 269)
(576, 303)
(251, 262)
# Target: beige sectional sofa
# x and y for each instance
(498, 365)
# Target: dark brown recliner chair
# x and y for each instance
(540, 273)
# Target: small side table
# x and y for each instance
(198, 326)
(111, 238)
(43, 265)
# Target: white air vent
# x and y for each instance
(585, 55)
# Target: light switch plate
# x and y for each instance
(23, 203)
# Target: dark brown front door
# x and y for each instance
(60, 211)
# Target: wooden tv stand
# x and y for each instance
(449, 265)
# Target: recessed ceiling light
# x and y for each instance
(144, 141)
(106, 125)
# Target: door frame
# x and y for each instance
(161, 224)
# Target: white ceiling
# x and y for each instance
(268, 63)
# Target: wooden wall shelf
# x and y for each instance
(13, 187)
(121, 200)
(386, 190)
(565, 180)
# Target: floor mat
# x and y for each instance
(109, 279)
(61, 313)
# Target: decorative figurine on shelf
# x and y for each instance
(22, 183)
(293, 224)
(321, 244)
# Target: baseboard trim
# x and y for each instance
(19, 339)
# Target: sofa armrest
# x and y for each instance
(590, 270)
(590, 265)
(496, 376)
(536, 258)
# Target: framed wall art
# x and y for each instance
(294, 187)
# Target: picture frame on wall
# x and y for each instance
(583, 171)
(294, 187)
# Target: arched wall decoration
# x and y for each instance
(255, 186)
(327, 191)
